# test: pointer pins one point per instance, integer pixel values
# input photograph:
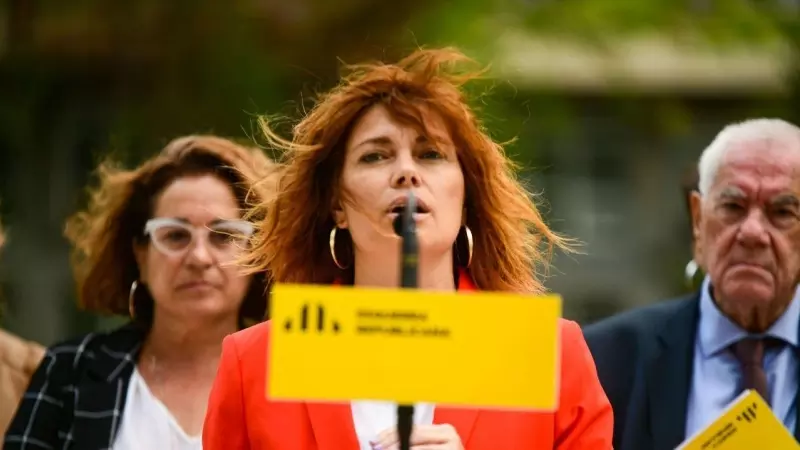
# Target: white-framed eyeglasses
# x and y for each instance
(175, 237)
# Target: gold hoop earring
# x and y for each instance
(131, 295)
(468, 234)
(332, 244)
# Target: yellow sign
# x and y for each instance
(746, 424)
(340, 343)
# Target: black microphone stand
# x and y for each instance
(405, 226)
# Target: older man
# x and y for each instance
(671, 368)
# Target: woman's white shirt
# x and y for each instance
(147, 423)
(372, 417)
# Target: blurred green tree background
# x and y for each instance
(608, 102)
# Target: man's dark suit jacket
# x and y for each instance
(644, 361)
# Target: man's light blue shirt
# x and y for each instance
(716, 374)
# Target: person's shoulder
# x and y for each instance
(18, 353)
(12, 344)
(76, 346)
(644, 320)
(572, 340)
(253, 338)
(75, 351)
(570, 330)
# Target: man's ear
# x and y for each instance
(696, 206)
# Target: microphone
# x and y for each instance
(406, 228)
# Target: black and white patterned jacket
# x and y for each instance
(76, 397)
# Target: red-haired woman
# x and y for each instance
(385, 130)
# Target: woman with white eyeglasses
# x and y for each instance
(159, 244)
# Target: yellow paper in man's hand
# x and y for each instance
(746, 424)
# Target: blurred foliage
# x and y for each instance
(161, 69)
(716, 21)
(186, 66)
(125, 77)
(476, 25)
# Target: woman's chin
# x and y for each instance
(203, 309)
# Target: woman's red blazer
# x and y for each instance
(241, 417)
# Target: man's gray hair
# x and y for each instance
(747, 131)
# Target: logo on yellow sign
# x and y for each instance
(317, 323)
(745, 424)
(749, 414)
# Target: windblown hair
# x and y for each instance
(103, 235)
(511, 240)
